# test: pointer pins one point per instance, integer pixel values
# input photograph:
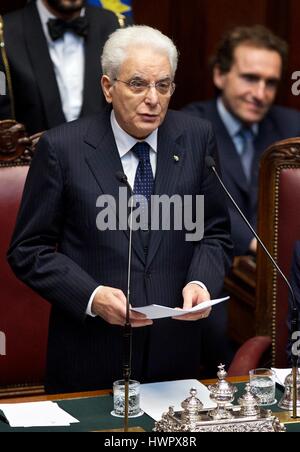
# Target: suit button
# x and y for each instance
(147, 275)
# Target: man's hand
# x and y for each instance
(193, 295)
(110, 304)
(253, 246)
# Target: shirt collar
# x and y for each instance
(232, 124)
(125, 142)
(45, 15)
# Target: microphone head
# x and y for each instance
(209, 161)
(121, 177)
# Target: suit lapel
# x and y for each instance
(170, 159)
(229, 158)
(39, 56)
(92, 100)
(268, 134)
(104, 162)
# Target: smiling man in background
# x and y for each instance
(247, 69)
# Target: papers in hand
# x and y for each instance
(36, 414)
(155, 311)
(157, 397)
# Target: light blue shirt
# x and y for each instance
(68, 58)
(233, 126)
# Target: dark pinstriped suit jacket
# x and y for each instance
(58, 251)
(280, 123)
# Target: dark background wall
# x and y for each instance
(196, 26)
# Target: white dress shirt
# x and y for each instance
(130, 163)
(68, 58)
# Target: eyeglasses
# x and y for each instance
(140, 86)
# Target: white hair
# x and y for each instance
(120, 41)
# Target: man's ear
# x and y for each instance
(219, 78)
(106, 88)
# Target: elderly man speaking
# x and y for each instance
(59, 250)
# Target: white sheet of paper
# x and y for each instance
(36, 414)
(157, 397)
(155, 311)
(281, 374)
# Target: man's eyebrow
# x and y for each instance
(257, 76)
(137, 76)
(249, 74)
(162, 78)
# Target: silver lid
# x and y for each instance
(249, 403)
(191, 407)
(222, 391)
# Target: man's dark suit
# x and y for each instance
(37, 98)
(280, 123)
(58, 251)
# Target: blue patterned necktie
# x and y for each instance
(247, 154)
(143, 183)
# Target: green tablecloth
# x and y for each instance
(94, 414)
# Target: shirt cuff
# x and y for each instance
(89, 306)
(199, 284)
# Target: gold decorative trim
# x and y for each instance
(285, 417)
(275, 255)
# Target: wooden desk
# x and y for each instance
(93, 410)
(87, 394)
(53, 397)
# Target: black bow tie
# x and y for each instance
(58, 27)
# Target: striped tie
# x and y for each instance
(247, 155)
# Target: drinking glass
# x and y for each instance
(133, 398)
(262, 383)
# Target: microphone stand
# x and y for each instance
(127, 335)
(210, 163)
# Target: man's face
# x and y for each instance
(139, 114)
(65, 6)
(250, 87)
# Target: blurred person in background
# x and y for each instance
(247, 69)
(53, 49)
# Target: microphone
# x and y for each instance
(127, 335)
(210, 163)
